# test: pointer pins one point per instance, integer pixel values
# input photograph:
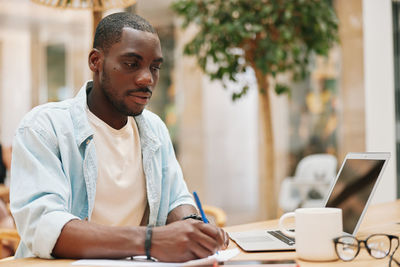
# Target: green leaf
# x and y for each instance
(281, 89)
(276, 36)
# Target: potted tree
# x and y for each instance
(272, 37)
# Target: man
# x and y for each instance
(90, 173)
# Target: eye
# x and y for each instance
(131, 65)
(155, 68)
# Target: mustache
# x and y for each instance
(143, 90)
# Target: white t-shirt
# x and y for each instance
(121, 197)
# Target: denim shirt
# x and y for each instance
(54, 172)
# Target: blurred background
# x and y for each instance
(347, 103)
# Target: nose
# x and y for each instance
(145, 78)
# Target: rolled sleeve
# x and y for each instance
(178, 191)
(179, 194)
(39, 192)
(48, 231)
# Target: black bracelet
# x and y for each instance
(147, 241)
(193, 216)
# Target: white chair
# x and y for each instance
(311, 181)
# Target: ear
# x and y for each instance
(95, 60)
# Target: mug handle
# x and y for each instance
(282, 228)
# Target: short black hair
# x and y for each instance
(109, 29)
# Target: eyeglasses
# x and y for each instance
(378, 246)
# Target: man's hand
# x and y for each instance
(187, 240)
(180, 240)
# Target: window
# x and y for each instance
(56, 73)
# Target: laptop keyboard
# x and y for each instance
(278, 234)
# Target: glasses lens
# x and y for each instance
(347, 248)
(379, 246)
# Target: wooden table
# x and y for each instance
(380, 218)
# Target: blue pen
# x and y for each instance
(198, 203)
(203, 215)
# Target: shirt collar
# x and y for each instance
(79, 117)
(84, 132)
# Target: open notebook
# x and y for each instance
(351, 191)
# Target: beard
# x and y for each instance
(118, 104)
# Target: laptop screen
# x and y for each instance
(353, 188)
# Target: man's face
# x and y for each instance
(131, 70)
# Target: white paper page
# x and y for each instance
(222, 255)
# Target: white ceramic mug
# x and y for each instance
(315, 229)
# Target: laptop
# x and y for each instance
(351, 191)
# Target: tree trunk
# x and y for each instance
(266, 152)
